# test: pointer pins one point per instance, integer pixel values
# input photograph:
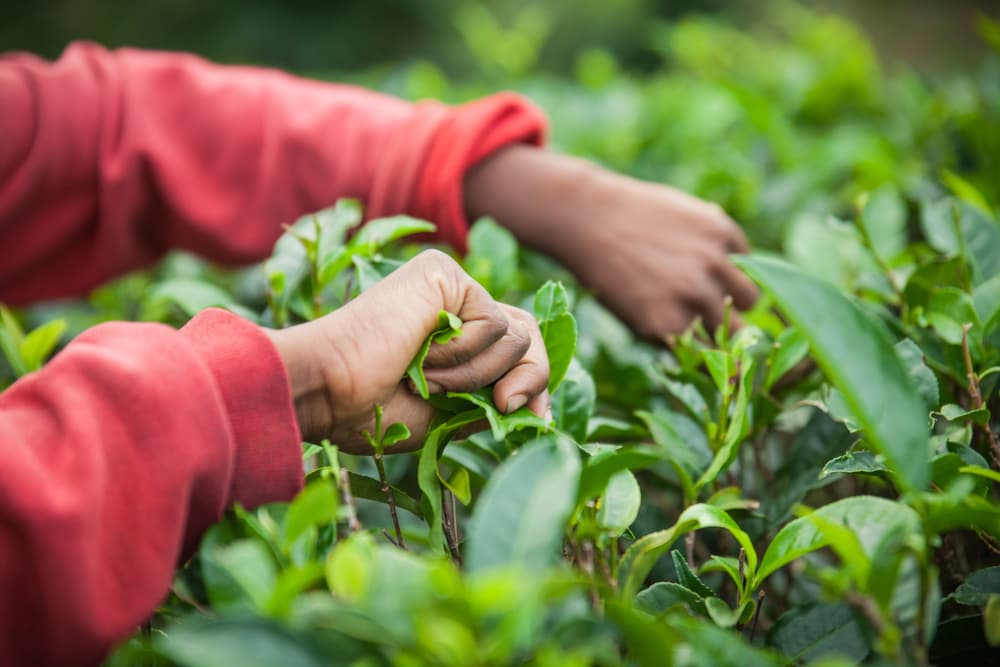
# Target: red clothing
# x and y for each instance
(126, 447)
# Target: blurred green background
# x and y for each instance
(783, 112)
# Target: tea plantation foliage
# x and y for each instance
(818, 487)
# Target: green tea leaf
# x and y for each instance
(376, 234)
(459, 485)
(978, 587)
(619, 504)
(601, 467)
(249, 642)
(36, 347)
(316, 505)
(449, 327)
(644, 552)
(817, 629)
(861, 461)
(663, 595)
(558, 327)
(856, 353)
(194, 296)
(790, 348)
(520, 517)
(688, 579)
(573, 402)
(371, 489)
(883, 223)
(492, 257)
(867, 517)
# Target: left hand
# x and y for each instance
(656, 256)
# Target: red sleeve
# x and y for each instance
(108, 159)
(114, 459)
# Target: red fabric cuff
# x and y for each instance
(473, 132)
(254, 386)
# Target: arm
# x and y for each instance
(118, 455)
(109, 159)
(657, 257)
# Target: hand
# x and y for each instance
(342, 365)
(655, 256)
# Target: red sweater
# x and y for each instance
(117, 456)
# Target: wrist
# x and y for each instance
(310, 396)
(543, 198)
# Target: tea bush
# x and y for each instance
(816, 487)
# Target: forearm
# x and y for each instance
(116, 457)
(539, 195)
(119, 156)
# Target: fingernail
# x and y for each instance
(434, 387)
(548, 414)
(516, 401)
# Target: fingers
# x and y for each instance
(485, 367)
(517, 363)
(736, 284)
(525, 383)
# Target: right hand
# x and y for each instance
(341, 365)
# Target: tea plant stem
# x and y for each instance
(450, 520)
(689, 543)
(389, 499)
(353, 525)
(976, 394)
(187, 599)
(869, 610)
(602, 564)
(756, 613)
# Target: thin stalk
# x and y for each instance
(353, 525)
(976, 394)
(449, 518)
(756, 614)
(389, 499)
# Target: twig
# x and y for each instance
(756, 614)
(689, 543)
(187, 599)
(450, 520)
(389, 499)
(976, 394)
(868, 609)
(353, 525)
(602, 564)
(741, 565)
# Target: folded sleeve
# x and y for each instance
(115, 458)
(110, 158)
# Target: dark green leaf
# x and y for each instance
(371, 489)
(248, 642)
(687, 578)
(573, 402)
(977, 588)
(861, 461)
(818, 629)
(857, 355)
(663, 595)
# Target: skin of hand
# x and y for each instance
(341, 365)
(655, 256)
